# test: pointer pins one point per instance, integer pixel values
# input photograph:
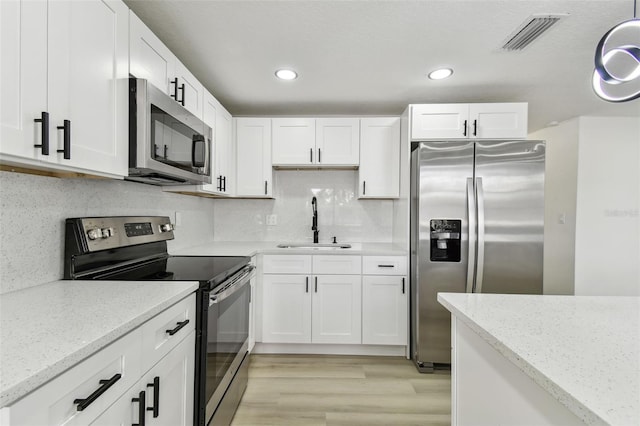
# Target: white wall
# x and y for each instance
(607, 256)
(340, 213)
(561, 175)
(33, 210)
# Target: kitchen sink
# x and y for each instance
(327, 246)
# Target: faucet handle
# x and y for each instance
(334, 240)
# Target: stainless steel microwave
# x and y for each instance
(167, 144)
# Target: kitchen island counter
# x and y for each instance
(46, 329)
(584, 351)
(251, 248)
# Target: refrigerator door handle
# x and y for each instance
(480, 263)
(471, 258)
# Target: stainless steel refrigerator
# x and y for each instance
(477, 224)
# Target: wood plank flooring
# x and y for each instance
(342, 390)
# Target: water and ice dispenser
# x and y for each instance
(445, 240)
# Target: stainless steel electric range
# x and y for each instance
(134, 249)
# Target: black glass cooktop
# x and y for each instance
(209, 270)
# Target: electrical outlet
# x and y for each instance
(562, 218)
(272, 219)
(178, 219)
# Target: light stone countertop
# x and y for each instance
(251, 248)
(583, 350)
(46, 329)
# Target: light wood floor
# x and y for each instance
(342, 390)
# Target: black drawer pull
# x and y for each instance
(44, 131)
(179, 325)
(386, 266)
(66, 135)
(156, 396)
(142, 411)
(402, 285)
(104, 385)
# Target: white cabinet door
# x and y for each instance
(336, 310)
(253, 154)
(23, 77)
(384, 310)
(498, 121)
(379, 172)
(286, 309)
(294, 141)
(225, 155)
(190, 90)
(88, 84)
(338, 141)
(150, 58)
(440, 121)
(173, 379)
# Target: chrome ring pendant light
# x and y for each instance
(617, 62)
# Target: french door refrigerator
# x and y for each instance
(477, 223)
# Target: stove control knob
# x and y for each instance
(106, 232)
(94, 234)
(166, 227)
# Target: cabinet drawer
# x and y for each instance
(286, 264)
(53, 403)
(384, 265)
(156, 338)
(337, 264)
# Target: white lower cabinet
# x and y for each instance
(99, 390)
(384, 310)
(286, 309)
(336, 309)
(164, 396)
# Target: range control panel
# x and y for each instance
(101, 233)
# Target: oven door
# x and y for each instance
(165, 138)
(227, 338)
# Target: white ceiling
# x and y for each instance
(370, 57)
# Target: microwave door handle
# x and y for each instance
(193, 152)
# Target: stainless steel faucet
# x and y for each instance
(314, 223)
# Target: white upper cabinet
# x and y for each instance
(64, 85)
(152, 60)
(316, 142)
(253, 153)
(337, 141)
(469, 121)
(294, 141)
(379, 173)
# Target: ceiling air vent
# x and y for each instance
(531, 29)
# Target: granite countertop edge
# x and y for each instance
(557, 392)
(15, 391)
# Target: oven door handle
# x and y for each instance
(229, 291)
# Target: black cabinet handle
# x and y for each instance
(265, 187)
(165, 151)
(66, 133)
(306, 287)
(464, 128)
(319, 156)
(219, 187)
(156, 396)
(181, 100)
(44, 131)
(142, 401)
(475, 127)
(179, 325)
(364, 187)
(403, 285)
(316, 290)
(224, 184)
(311, 155)
(104, 385)
(386, 266)
(175, 88)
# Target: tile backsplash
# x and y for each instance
(340, 213)
(34, 208)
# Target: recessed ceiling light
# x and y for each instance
(285, 74)
(440, 74)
